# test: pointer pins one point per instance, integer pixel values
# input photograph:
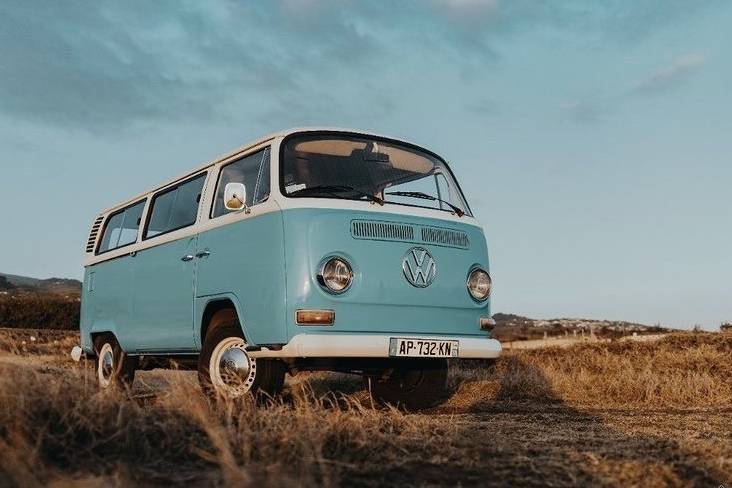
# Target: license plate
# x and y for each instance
(423, 348)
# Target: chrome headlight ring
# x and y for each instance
(335, 275)
(479, 284)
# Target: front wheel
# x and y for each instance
(225, 368)
(413, 384)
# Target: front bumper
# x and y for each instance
(76, 353)
(370, 346)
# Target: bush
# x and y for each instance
(39, 312)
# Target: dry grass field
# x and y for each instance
(621, 413)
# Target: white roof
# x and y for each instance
(241, 149)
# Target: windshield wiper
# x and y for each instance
(338, 189)
(418, 194)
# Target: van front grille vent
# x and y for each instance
(92, 242)
(394, 231)
(385, 231)
(445, 237)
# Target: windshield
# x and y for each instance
(362, 168)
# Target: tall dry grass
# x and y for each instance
(56, 426)
(691, 370)
(63, 426)
(37, 341)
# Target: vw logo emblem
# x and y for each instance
(419, 267)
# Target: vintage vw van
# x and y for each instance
(311, 249)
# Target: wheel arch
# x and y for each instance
(101, 327)
(94, 335)
(210, 307)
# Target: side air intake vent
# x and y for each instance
(445, 237)
(384, 231)
(92, 242)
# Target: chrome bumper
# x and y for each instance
(371, 346)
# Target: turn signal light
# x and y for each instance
(315, 317)
(487, 323)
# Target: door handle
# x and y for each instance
(187, 257)
(203, 254)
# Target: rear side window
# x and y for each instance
(121, 228)
(253, 171)
(175, 208)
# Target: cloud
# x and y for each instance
(104, 65)
(107, 65)
(596, 107)
(468, 10)
(96, 64)
(672, 75)
(584, 111)
(484, 107)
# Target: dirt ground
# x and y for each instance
(486, 434)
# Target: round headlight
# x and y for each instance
(336, 276)
(479, 284)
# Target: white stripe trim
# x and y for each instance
(366, 206)
(275, 204)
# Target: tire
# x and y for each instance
(114, 369)
(414, 384)
(224, 343)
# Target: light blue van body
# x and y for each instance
(155, 301)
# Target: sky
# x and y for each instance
(593, 140)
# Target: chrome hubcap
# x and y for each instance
(234, 365)
(232, 370)
(107, 364)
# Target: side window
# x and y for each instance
(110, 238)
(121, 228)
(175, 208)
(253, 171)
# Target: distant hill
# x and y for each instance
(511, 327)
(5, 285)
(14, 284)
(23, 298)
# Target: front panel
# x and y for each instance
(386, 297)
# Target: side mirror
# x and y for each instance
(235, 197)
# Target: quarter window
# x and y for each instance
(122, 227)
(253, 171)
(175, 208)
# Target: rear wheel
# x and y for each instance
(412, 384)
(226, 369)
(113, 367)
